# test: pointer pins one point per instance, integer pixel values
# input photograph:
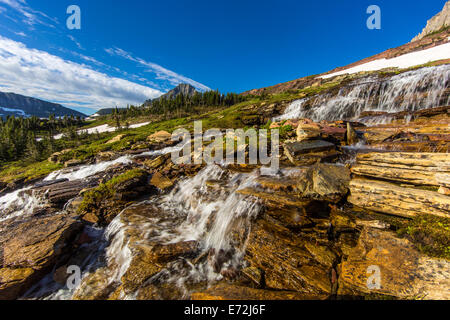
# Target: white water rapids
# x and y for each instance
(409, 91)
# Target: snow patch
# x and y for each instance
(404, 61)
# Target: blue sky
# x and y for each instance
(129, 51)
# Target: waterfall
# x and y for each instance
(210, 220)
(25, 201)
(409, 91)
(191, 212)
(20, 202)
(85, 171)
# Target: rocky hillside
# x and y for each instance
(18, 105)
(437, 23)
(432, 41)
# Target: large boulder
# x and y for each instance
(160, 136)
(31, 249)
(307, 131)
(309, 152)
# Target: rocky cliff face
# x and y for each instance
(183, 88)
(18, 105)
(438, 22)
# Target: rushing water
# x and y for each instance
(26, 200)
(409, 91)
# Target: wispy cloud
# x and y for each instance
(30, 16)
(22, 34)
(161, 72)
(39, 74)
(78, 44)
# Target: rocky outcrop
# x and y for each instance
(106, 200)
(426, 169)
(393, 180)
(160, 136)
(225, 291)
(284, 261)
(323, 182)
(385, 264)
(393, 199)
(437, 23)
(309, 152)
(31, 249)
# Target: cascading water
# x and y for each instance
(409, 91)
(25, 201)
(19, 202)
(191, 212)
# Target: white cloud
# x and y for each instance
(22, 34)
(30, 16)
(161, 72)
(39, 74)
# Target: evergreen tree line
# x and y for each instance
(18, 136)
(181, 104)
(200, 99)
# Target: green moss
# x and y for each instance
(27, 171)
(92, 198)
(430, 234)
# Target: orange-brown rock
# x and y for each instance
(224, 291)
(432, 169)
(396, 200)
(402, 271)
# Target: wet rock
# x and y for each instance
(109, 198)
(255, 275)
(224, 291)
(72, 163)
(59, 193)
(161, 181)
(329, 182)
(286, 264)
(156, 163)
(274, 197)
(324, 182)
(106, 156)
(322, 254)
(14, 281)
(404, 272)
(352, 137)
(33, 247)
(95, 286)
(170, 252)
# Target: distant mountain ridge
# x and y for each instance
(23, 106)
(183, 88)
